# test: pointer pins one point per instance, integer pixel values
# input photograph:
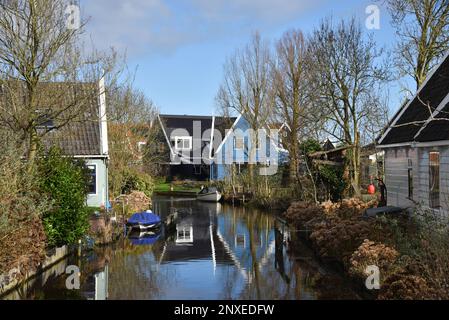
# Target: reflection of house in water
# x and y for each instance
(245, 249)
(192, 238)
(96, 287)
(204, 234)
(184, 232)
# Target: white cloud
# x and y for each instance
(158, 26)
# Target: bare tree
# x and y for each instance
(423, 28)
(347, 79)
(246, 89)
(44, 73)
(132, 135)
(290, 83)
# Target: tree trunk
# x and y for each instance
(356, 165)
(32, 151)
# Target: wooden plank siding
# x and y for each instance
(396, 176)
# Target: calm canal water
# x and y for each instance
(207, 251)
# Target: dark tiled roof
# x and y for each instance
(76, 139)
(70, 110)
(432, 94)
(186, 122)
(81, 135)
(436, 130)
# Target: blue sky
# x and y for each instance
(179, 46)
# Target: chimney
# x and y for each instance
(103, 119)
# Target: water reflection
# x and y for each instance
(204, 251)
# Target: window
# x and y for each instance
(184, 234)
(141, 145)
(240, 240)
(43, 119)
(183, 143)
(239, 143)
(410, 179)
(92, 184)
(434, 180)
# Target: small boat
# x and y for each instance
(144, 220)
(209, 194)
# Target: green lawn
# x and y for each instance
(165, 187)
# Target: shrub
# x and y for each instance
(64, 180)
(352, 208)
(304, 214)
(338, 239)
(405, 286)
(372, 253)
(333, 179)
(22, 239)
(138, 181)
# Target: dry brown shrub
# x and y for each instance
(340, 238)
(302, 213)
(23, 248)
(352, 208)
(22, 237)
(372, 253)
(137, 201)
(329, 207)
(405, 286)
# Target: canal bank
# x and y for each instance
(209, 251)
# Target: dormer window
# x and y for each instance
(43, 120)
(183, 143)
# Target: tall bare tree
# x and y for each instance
(290, 83)
(132, 135)
(423, 28)
(246, 89)
(347, 77)
(39, 50)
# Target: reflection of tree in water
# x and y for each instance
(280, 274)
(135, 273)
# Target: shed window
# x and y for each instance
(434, 179)
(92, 183)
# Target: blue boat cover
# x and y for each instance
(144, 218)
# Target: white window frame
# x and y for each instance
(184, 240)
(183, 140)
(96, 178)
(235, 143)
(140, 145)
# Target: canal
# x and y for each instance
(205, 251)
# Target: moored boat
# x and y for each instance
(144, 221)
(209, 194)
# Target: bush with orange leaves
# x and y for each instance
(304, 214)
(338, 239)
(336, 228)
(405, 286)
(348, 208)
(372, 253)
